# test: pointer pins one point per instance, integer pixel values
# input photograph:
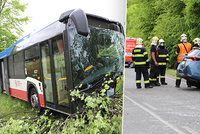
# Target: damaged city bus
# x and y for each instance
(78, 50)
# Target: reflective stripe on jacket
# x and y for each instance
(162, 56)
(140, 57)
(183, 51)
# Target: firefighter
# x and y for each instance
(153, 63)
(141, 61)
(196, 43)
(183, 49)
(162, 57)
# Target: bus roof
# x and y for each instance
(8, 50)
(46, 33)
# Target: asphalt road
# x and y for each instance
(160, 110)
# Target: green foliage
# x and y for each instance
(192, 15)
(11, 21)
(165, 19)
(99, 115)
(11, 107)
(171, 72)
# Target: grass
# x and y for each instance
(15, 108)
(171, 72)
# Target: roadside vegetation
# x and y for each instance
(167, 19)
(12, 19)
(171, 72)
(100, 114)
(12, 107)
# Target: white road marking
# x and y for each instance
(189, 130)
(156, 116)
(150, 106)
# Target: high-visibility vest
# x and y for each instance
(183, 51)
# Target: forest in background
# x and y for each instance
(12, 19)
(167, 19)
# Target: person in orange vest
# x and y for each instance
(183, 48)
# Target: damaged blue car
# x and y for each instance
(189, 68)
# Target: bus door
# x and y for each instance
(62, 94)
(54, 74)
(47, 74)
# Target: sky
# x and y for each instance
(44, 12)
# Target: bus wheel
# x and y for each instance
(34, 100)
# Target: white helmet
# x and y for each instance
(196, 41)
(161, 42)
(139, 41)
(183, 35)
(183, 38)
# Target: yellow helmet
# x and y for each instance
(155, 38)
(139, 41)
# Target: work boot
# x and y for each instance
(178, 86)
(150, 86)
(139, 87)
(164, 83)
(157, 84)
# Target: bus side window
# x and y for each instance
(11, 68)
(18, 62)
(32, 63)
(32, 68)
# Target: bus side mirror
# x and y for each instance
(80, 21)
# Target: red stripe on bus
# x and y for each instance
(24, 96)
(19, 94)
(41, 98)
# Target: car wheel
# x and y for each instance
(198, 86)
(34, 100)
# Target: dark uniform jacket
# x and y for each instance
(162, 56)
(153, 49)
(140, 57)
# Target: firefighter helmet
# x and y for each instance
(196, 41)
(139, 41)
(155, 38)
(183, 37)
(161, 41)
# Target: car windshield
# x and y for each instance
(97, 55)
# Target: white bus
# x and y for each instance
(78, 50)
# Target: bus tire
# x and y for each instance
(34, 100)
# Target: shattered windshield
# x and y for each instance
(97, 55)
